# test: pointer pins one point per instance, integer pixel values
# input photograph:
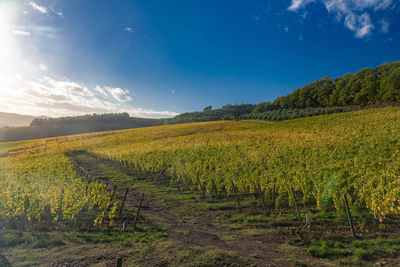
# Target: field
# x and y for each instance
(228, 193)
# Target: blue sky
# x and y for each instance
(159, 58)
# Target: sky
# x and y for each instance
(157, 59)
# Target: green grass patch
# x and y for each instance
(297, 262)
(328, 249)
(248, 219)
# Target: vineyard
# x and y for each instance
(359, 150)
(310, 162)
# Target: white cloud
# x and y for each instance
(24, 33)
(354, 13)
(41, 9)
(43, 67)
(129, 29)
(48, 96)
(101, 91)
(296, 4)
(119, 94)
(44, 9)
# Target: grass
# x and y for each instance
(328, 249)
(297, 262)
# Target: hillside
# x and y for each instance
(213, 193)
(370, 87)
(365, 87)
(50, 127)
(15, 120)
(227, 112)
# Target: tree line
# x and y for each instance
(50, 127)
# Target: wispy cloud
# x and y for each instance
(41, 9)
(24, 33)
(353, 13)
(55, 97)
(296, 4)
(129, 29)
(119, 94)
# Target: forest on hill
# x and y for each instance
(365, 87)
(227, 112)
(50, 127)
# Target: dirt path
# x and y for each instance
(266, 248)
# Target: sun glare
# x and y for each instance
(8, 44)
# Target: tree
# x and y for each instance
(207, 109)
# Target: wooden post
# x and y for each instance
(261, 197)
(295, 203)
(123, 202)
(236, 195)
(203, 193)
(273, 195)
(346, 204)
(138, 211)
(215, 188)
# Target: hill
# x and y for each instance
(50, 127)
(15, 120)
(213, 193)
(365, 87)
(227, 112)
(376, 87)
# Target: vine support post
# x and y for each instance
(346, 204)
(215, 188)
(138, 211)
(236, 195)
(295, 203)
(203, 193)
(119, 262)
(123, 202)
(273, 195)
(261, 197)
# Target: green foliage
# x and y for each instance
(293, 113)
(227, 112)
(361, 254)
(263, 107)
(297, 262)
(207, 109)
(366, 87)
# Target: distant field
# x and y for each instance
(315, 161)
